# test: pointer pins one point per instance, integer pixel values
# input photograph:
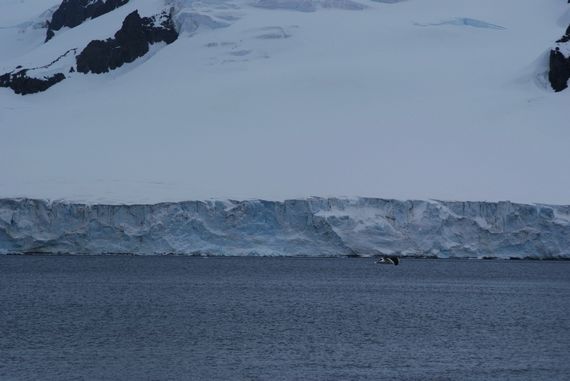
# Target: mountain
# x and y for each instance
(132, 40)
(150, 101)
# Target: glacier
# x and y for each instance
(298, 227)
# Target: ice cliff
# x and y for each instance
(306, 227)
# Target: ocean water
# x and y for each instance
(182, 318)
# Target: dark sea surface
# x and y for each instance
(184, 318)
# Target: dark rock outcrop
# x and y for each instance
(566, 37)
(99, 56)
(72, 13)
(559, 72)
(129, 43)
(21, 83)
(559, 67)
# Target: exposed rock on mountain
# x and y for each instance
(559, 68)
(130, 42)
(566, 36)
(72, 13)
(23, 84)
(37, 79)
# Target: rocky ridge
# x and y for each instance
(72, 13)
(130, 42)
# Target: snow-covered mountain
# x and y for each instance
(136, 34)
(150, 103)
(276, 99)
(310, 227)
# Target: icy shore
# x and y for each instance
(305, 227)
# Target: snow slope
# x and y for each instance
(278, 99)
(310, 227)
